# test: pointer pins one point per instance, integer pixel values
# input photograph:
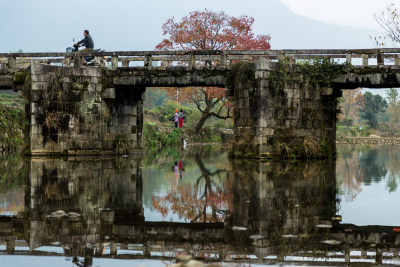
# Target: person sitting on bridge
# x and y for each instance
(87, 42)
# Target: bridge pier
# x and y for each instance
(10, 246)
(74, 111)
(279, 113)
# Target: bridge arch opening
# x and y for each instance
(209, 104)
(369, 112)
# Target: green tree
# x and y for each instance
(393, 109)
(373, 105)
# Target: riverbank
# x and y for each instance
(13, 123)
(159, 136)
(367, 141)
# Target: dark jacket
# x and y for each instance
(87, 42)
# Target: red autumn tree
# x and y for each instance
(208, 30)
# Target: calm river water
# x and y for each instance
(131, 211)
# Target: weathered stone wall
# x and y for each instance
(72, 111)
(281, 201)
(294, 120)
(102, 192)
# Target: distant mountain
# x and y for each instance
(292, 31)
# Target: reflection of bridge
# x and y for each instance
(285, 207)
(85, 110)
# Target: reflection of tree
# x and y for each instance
(393, 169)
(373, 170)
(350, 174)
(202, 201)
(367, 164)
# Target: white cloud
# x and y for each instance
(357, 13)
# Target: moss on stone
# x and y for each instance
(241, 73)
(20, 77)
(315, 73)
(122, 144)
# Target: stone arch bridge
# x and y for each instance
(279, 108)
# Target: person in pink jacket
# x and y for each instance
(176, 118)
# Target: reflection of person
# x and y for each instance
(184, 144)
(87, 262)
(175, 169)
(181, 169)
(181, 116)
(77, 262)
(176, 118)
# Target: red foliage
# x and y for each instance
(208, 30)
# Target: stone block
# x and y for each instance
(326, 91)
(94, 72)
(262, 74)
(240, 104)
(89, 97)
(109, 145)
(79, 71)
(95, 108)
(133, 138)
(66, 79)
(267, 132)
(128, 110)
(35, 108)
(91, 87)
(109, 93)
(286, 123)
(113, 129)
(39, 86)
(39, 78)
(99, 87)
(36, 129)
(316, 124)
(95, 80)
(263, 64)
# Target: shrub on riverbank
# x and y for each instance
(353, 131)
(12, 100)
(158, 136)
(13, 123)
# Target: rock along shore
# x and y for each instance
(367, 141)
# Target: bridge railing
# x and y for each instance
(360, 57)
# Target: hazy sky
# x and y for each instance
(50, 25)
(357, 13)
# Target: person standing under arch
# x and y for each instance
(181, 116)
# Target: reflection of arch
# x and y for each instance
(304, 190)
(208, 188)
(202, 201)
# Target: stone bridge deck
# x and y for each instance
(192, 68)
(89, 110)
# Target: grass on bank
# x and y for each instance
(156, 136)
(11, 99)
(13, 122)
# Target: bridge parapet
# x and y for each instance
(149, 59)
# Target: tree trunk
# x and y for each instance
(201, 122)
